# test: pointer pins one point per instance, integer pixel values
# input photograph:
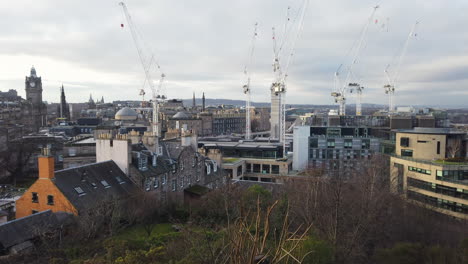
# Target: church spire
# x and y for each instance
(203, 102)
(193, 101)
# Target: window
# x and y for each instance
(181, 182)
(422, 141)
(407, 153)
(348, 143)
(256, 168)
(94, 185)
(419, 170)
(181, 165)
(34, 211)
(50, 199)
(313, 143)
(174, 185)
(105, 184)
(331, 143)
(35, 197)
(438, 147)
(404, 142)
(164, 179)
(366, 144)
(119, 180)
(198, 177)
(79, 191)
(156, 183)
(275, 169)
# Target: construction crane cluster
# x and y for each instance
(284, 44)
(342, 86)
(392, 79)
(351, 84)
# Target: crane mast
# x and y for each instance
(278, 87)
(248, 129)
(341, 87)
(147, 61)
(389, 88)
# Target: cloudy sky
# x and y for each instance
(202, 46)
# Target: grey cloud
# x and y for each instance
(203, 46)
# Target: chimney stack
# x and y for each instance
(46, 164)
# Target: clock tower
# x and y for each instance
(33, 86)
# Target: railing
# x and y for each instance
(430, 162)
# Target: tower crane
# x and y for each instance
(392, 80)
(341, 86)
(246, 87)
(148, 61)
(278, 87)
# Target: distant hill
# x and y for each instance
(241, 103)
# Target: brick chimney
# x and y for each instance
(46, 165)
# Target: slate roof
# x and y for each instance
(26, 228)
(92, 179)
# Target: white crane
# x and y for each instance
(248, 130)
(278, 87)
(340, 87)
(148, 61)
(392, 80)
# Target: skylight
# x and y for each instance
(105, 184)
(79, 191)
(119, 180)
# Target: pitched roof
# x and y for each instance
(88, 185)
(25, 228)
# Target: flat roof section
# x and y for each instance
(430, 130)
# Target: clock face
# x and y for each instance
(32, 84)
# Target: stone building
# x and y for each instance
(430, 168)
(37, 109)
(169, 168)
(73, 190)
(63, 109)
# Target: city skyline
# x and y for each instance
(203, 48)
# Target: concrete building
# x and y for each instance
(248, 160)
(332, 148)
(430, 168)
(275, 115)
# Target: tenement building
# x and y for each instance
(430, 168)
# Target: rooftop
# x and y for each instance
(431, 130)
